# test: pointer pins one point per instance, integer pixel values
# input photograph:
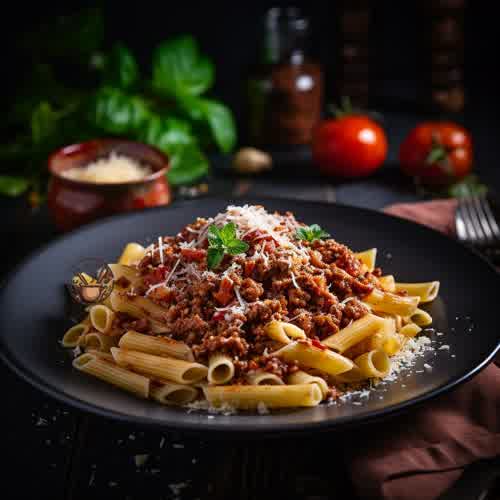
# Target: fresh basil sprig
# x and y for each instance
(222, 241)
(311, 233)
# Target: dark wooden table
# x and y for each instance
(52, 451)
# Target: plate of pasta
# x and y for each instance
(255, 315)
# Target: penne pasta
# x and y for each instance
(426, 291)
(310, 356)
(284, 332)
(170, 393)
(301, 377)
(106, 356)
(260, 377)
(101, 318)
(374, 364)
(354, 333)
(368, 258)
(132, 254)
(419, 317)
(98, 341)
(74, 335)
(129, 273)
(176, 370)
(388, 283)
(121, 303)
(352, 376)
(250, 397)
(112, 374)
(391, 303)
(159, 346)
(220, 369)
(410, 330)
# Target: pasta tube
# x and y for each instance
(410, 330)
(284, 332)
(101, 318)
(73, 335)
(354, 333)
(388, 283)
(132, 254)
(170, 393)
(368, 258)
(374, 364)
(122, 271)
(301, 377)
(260, 377)
(426, 291)
(272, 396)
(132, 382)
(313, 357)
(391, 303)
(159, 346)
(176, 370)
(98, 341)
(220, 369)
(419, 317)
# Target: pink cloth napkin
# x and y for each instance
(422, 453)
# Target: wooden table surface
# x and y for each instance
(53, 451)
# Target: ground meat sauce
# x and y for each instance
(279, 277)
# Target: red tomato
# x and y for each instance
(350, 146)
(437, 153)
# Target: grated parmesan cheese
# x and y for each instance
(115, 168)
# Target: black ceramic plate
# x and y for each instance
(32, 308)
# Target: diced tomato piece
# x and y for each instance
(218, 315)
(225, 293)
(257, 234)
(157, 275)
(193, 254)
(318, 344)
(270, 246)
(249, 267)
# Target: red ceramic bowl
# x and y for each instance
(74, 202)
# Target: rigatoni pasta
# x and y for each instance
(248, 310)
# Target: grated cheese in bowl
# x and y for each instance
(114, 168)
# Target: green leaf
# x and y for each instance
(167, 134)
(179, 68)
(236, 247)
(222, 125)
(187, 165)
(302, 234)
(214, 236)
(13, 186)
(215, 117)
(43, 123)
(311, 233)
(214, 257)
(115, 112)
(121, 68)
(317, 232)
(228, 233)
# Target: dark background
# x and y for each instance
(229, 32)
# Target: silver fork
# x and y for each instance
(476, 225)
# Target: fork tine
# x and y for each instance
(490, 218)
(470, 233)
(483, 220)
(460, 224)
(476, 220)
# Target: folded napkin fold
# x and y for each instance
(421, 454)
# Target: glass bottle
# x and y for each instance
(286, 86)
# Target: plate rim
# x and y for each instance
(235, 428)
